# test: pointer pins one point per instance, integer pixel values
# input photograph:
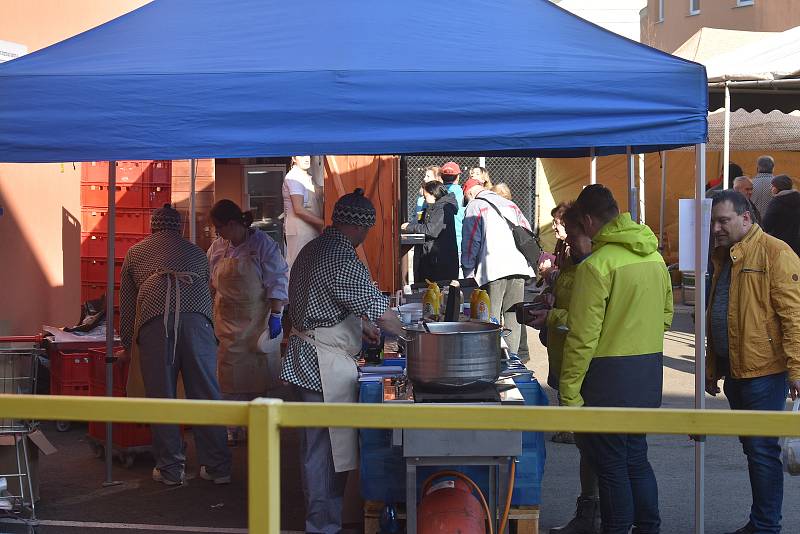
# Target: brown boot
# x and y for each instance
(586, 520)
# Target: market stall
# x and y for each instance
(528, 78)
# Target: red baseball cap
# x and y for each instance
(450, 168)
(469, 184)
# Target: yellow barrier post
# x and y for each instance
(264, 467)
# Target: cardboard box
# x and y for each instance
(36, 442)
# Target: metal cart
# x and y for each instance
(19, 362)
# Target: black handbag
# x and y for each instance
(527, 242)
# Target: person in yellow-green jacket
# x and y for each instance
(621, 304)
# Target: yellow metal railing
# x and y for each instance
(265, 417)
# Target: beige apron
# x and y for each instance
(337, 347)
(240, 316)
(298, 232)
(135, 384)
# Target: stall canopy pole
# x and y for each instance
(640, 190)
(592, 165)
(632, 204)
(726, 144)
(192, 206)
(700, 239)
(111, 216)
(663, 155)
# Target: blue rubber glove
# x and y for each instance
(274, 325)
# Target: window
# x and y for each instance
(694, 7)
(740, 3)
(660, 11)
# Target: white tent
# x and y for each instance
(774, 57)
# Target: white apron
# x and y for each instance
(240, 316)
(337, 347)
(298, 232)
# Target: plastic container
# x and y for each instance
(126, 196)
(95, 270)
(95, 244)
(69, 368)
(431, 300)
(155, 196)
(160, 173)
(128, 221)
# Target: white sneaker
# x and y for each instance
(158, 477)
(205, 475)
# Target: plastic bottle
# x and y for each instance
(483, 306)
(431, 300)
(473, 303)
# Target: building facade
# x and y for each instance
(666, 24)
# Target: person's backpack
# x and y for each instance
(527, 242)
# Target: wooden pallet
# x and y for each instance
(521, 519)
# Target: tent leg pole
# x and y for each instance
(663, 155)
(192, 206)
(640, 190)
(632, 204)
(699, 333)
(592, 166)
(726, 144)
(109, 360)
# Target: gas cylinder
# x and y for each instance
(449, 506)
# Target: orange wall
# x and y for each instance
(678, 25)
(39, 227)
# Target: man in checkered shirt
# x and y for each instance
(762, 184)
(333, 304)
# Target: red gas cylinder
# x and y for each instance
(449, 507)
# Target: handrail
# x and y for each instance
(265, 418)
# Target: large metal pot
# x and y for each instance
(452, 355)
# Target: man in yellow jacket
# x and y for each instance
(754, 339)
(613, 355)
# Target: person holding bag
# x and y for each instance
(490, 253)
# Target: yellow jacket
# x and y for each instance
(763, 307)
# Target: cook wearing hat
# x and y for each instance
(334, 305)
(450, 174)
(166, 327)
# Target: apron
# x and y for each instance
(240, 316)
(298, 232)
(336, 347)
(134, 386)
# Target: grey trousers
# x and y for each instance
(195, 359)
(503, 294)
(323, 487)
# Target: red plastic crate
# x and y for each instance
(94, 171)
(155, 196)
(127, 196)
(95, 270)
(131, 172)
(128, 221)
(93, 244)
(74, 389)
(160, 172)
(69, 366)
(125, 435)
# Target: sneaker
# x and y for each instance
(159, 477)
(205, 475)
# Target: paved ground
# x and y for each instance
(71, 480)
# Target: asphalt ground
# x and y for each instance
(73, 498)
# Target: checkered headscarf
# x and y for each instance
(355, 209)
(165, 218)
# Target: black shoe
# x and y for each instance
(747, 529)
(586, 520)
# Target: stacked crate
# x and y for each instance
(204, 195)
(141, 187)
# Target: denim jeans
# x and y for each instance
(628, 487)
(763, 454)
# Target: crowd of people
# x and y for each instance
(606, 304)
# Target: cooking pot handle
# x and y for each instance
(505, 332)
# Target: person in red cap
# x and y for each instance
(489, 254)
(450, 172)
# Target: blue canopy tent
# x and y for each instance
(202, 78)
(182, 79)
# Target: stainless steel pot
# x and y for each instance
(452, 354)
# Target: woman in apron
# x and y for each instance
(302, 204)
(249, 280)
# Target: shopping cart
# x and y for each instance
(19, 362)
